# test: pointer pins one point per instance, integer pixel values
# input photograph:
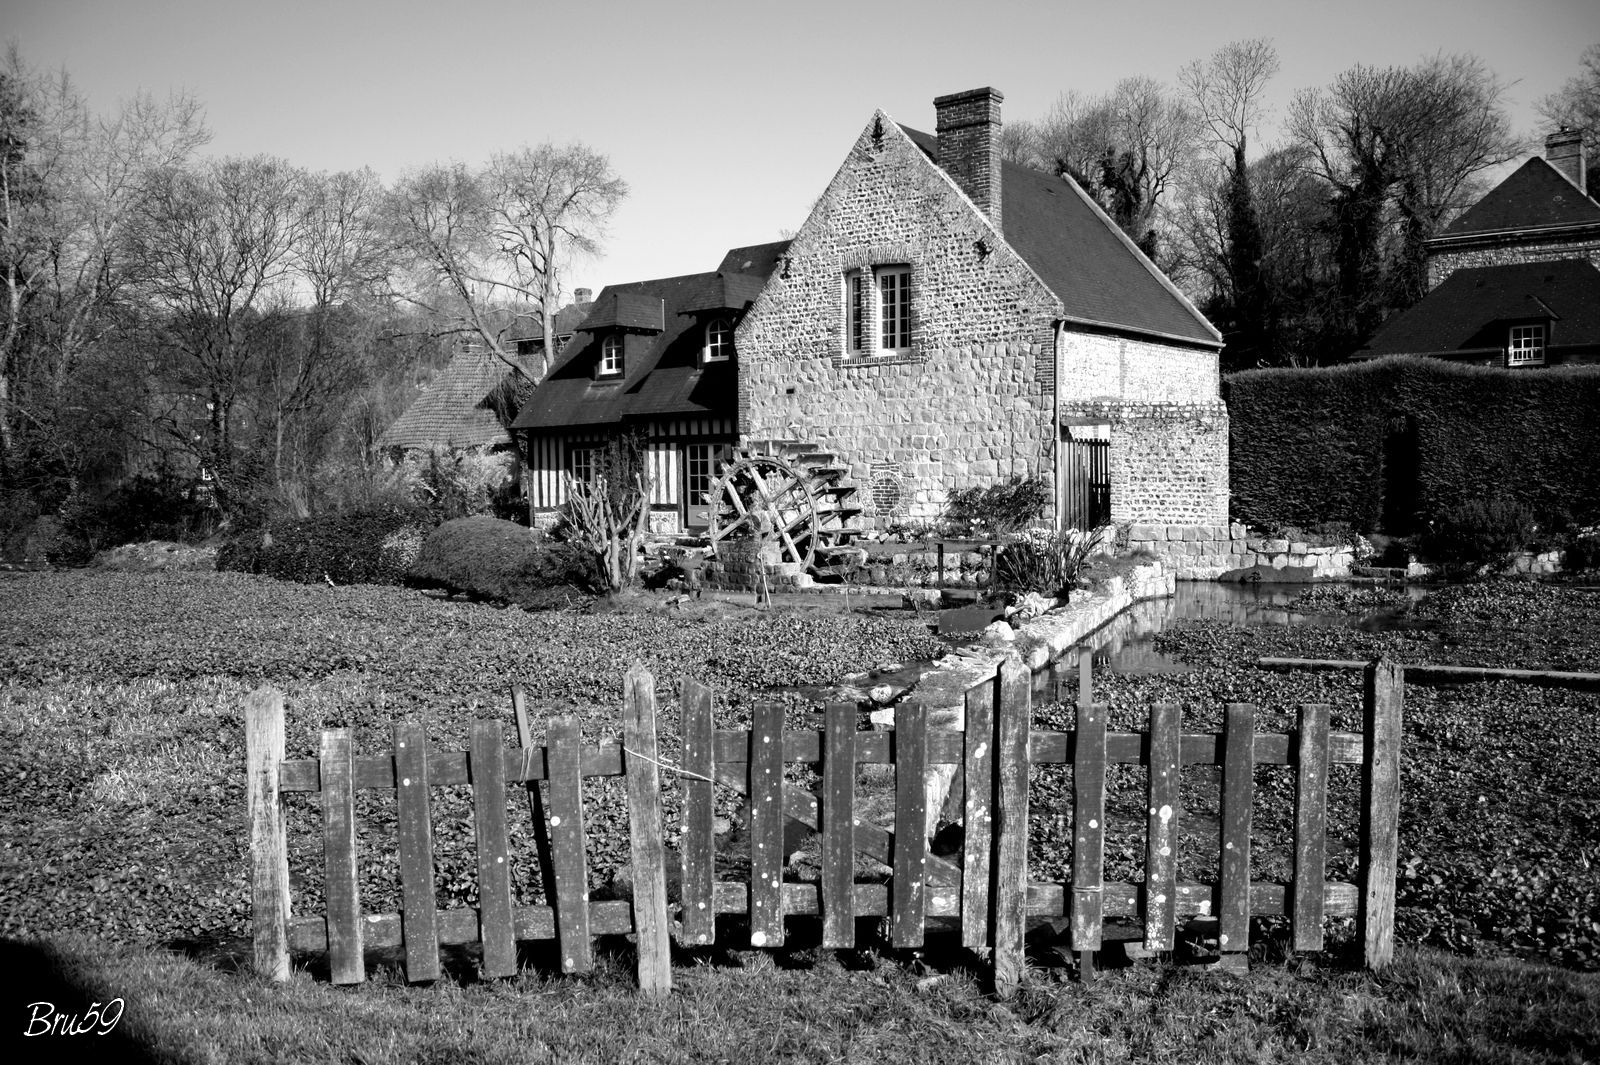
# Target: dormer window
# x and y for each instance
(719, 341)
(611, 356)
(1525, 345)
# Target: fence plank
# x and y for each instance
(699, 814)
(1310, 827)
(497, 928)
(1380, 811)
(568, 847)
(414, 830)
(978, 817)
(838, 828)
(766, 825)
(1238, 795)
(910, 823)
(1161, 851)
(535, 790)
(641, 760)
(1011, 826)
(1089, 827)
(269, 848)
(345, 962)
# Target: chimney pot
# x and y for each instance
(1563, 150)
(582, 295)
(968, 125)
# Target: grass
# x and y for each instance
(121, 811)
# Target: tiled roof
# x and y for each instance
(757, 259)
(1470, 310)
(1535, 195)
(1098, 274)
(627, 307)
(456, 410)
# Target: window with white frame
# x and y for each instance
(719, 341)
(611, 356)
(1525, 346)
(877, 311)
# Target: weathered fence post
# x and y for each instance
(269, 849)
(650, 924)
(541, 833)
(1380, 810)
(1011, 825)
(699, 814)
(346, 964)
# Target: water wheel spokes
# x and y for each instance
(762, 497)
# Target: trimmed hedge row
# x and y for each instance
(1411, 437)
(372, 546)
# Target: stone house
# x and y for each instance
(655, 358)
(1515, 280)
(945, 319)
(942, 319)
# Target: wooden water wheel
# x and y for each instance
(763, 497)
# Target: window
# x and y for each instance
(585, 463)
(877, 311)
(719, 341)
(1526, 346)
(611, 356)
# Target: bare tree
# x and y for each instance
(1226, 90)
(483, 249)
(1576, 105)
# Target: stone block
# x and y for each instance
(1297, 548)
(1190, 532)
(1274, 547)
(1237, 531)
(1147, 532)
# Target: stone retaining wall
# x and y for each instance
(1210, 552)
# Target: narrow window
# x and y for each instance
(1526, 347)
(894, 287)
(855, 309)
(719, 340)
(611, 356)
(585, 463)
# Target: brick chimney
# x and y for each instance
(1563, 150)
(968, 125)
(582, 295)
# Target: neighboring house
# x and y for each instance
(944, 319)
(656, 358)
(1514, 281)
(464, 406)
(941, 320)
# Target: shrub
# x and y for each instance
(140, 509)
(1045, 562)
(1581, 551)
(501, 561)
(1478, 534)
(349, 547)
(998, 509)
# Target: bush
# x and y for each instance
(350, 547)
(501, 561)
(1581, 551)
(137, 510)
(998, 509)
(1480, 534)
(1046, 562)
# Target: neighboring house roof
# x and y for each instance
(568, 319)
(667, 378)
(456, 409)
(757, 259)
(1099, 275)
(1469, 311)
(1535, 196)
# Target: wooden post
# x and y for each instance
(419, 921)
(1380, 811)
(269, 849)
(908, 908)
(766, 825)
(978, 817)
(1238, 795)
(641, 764)
(568, 845)
(1161, 836)
(838, 827)
(1089, 835)
(495, 922)
(699, 814)
(1085, 678)
(1310, 827)
(541, 832)
(1011, 826)
(345, 962)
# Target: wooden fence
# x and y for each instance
(987, 888)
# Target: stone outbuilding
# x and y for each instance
(946, 319)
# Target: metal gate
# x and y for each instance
(1085, 483)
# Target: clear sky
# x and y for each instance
(726, 119)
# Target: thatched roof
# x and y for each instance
(457, 409)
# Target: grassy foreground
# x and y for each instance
(122, 851)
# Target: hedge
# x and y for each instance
(1308, 446)
(369, 546)
(501, 561)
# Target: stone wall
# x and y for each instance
(1443, 262)
(1169, 460)
(1207, 552)
(972, 401)
(1103, 366)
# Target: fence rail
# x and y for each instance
(986, 887)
